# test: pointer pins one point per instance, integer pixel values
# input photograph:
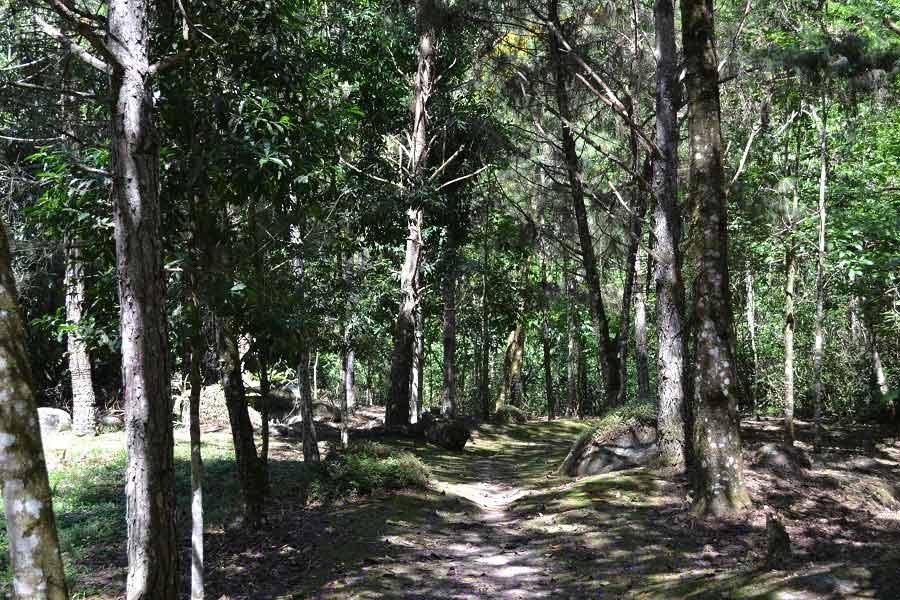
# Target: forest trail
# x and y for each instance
(499, 523)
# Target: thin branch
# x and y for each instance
(452, 181)
(743, 164)
(22, 65)
(169, 63)
(370, 176)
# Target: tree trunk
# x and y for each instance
(345, 406)
(666, 255)
(150, 478)
(790, 272)
(84, 410)
(196, 382)
(607, 350)
(573, 364)
(398, 409)
(36, 566)
(821, 257)
(264, 389)
(545, 335)
(511, 387)
(250, 471)
(448, 392)
(484, 380)
(416, 383)
(641, 360)
(751, 326)
(719, 471)
(310, 442)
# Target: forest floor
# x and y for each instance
(498, 522)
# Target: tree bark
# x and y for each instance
(484, 380)
(36, 565)
(641, 360)
(84, 410)
(150, 477)
(607, 350)
(545, 332)
(718, 475)
(397, 412)
(416, 383)
(821, 258)
(511, 387)
(751, 326)
(790, 272)
(670, 325)
(448, 392)
(310, 442)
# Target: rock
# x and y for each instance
(451, 434)
(633, 447)
(113, 422)
(778, 543)
(786, 460)
(510, 415)
(322, 410)
(282, 430)
(54, 420)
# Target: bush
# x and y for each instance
(366, 467)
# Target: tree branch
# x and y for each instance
(78, 51)
(169, 63)
(890, 24)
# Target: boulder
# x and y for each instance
(782, 459)
(451, 434)
(113, 422)
(632, 447)
(53, 420)
(510, 415)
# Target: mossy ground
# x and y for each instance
(496, 522)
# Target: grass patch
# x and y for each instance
(89, 498)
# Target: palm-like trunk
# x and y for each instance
(670, 326)
(36, 566)
(719, 471)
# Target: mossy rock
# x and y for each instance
(623, 439)
(508, 415)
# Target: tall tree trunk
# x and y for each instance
(511, 387)
(641, 360)
(416, 383)
(398, 409)
(150, 478)
(821, 257)
(484, 380)
(719, 471)
(264, 390)
(36, 566)
(545, 334)
(666, 255)
(607, 350)
(84, 410)
(198, 348)
(310, 441)
(881, 383)
(448, 392)
(790, 272)
(315, 377)
(751, 326)
(573, 364)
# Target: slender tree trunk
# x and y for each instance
(545, 333)
(150, 478)
(345, 406)
(607, 350)
(264, 389)
(719, 471)
(573, 364)
(484, 382)
(790, 272)
(666, 255)
(196, 382)
(511, 388)
(641, 360)
(821, 258)
(751, 326)
(84, 411)
(36, 566)
(315, 377)
(448, 392)
(398, 411)
(416, 383)
(880, 379)
(310, 441)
